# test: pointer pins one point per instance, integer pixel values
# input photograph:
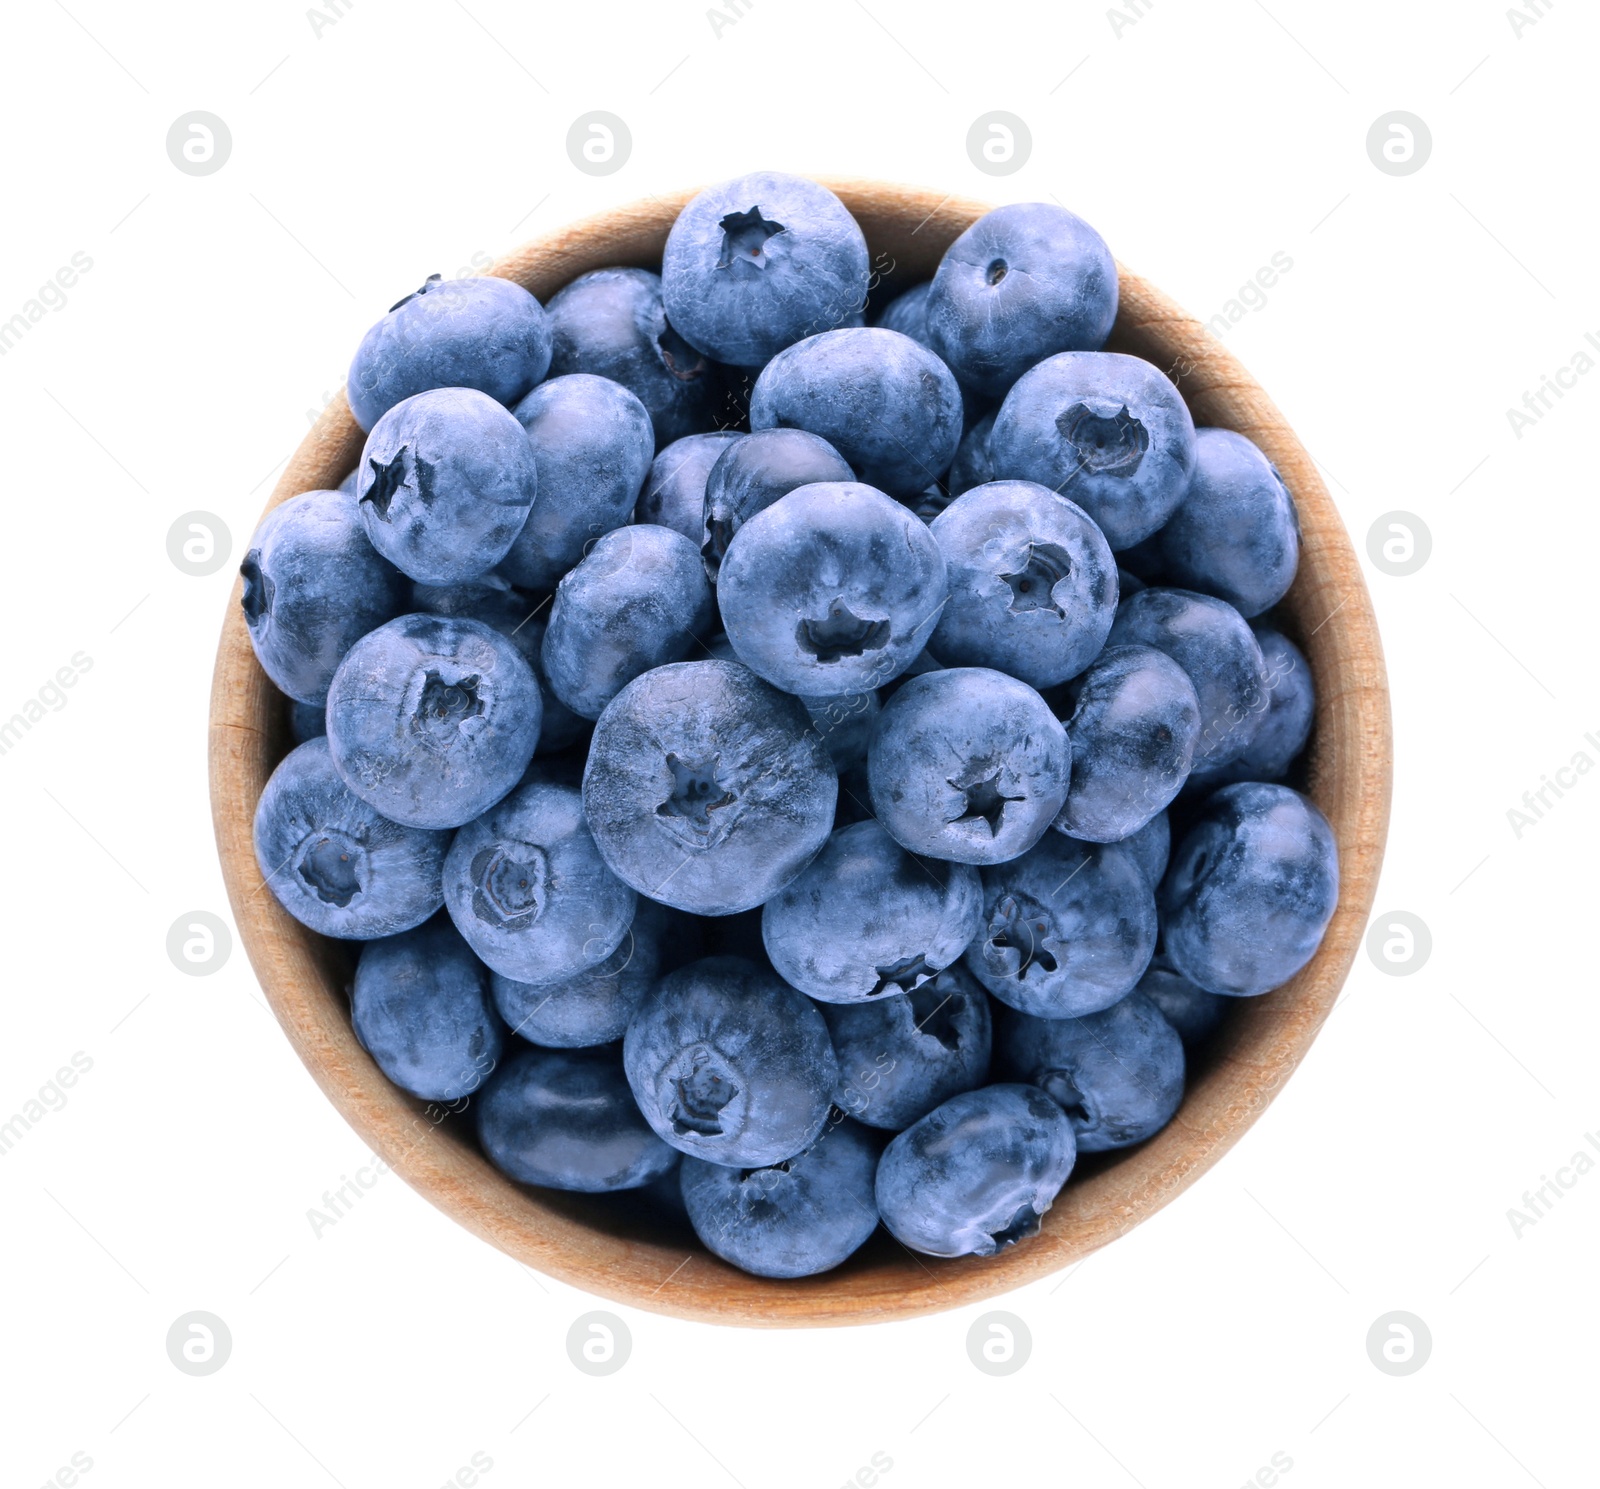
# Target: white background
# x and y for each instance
(403, 138)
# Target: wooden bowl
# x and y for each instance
(588, 1241)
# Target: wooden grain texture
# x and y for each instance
(596, 1245)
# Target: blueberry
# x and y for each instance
(866, 920)
(1023, 282)
(307, 720)
(855, 797)
(333, 863)
(1151, 845)
(907, 313)
(1282, 735)
(660, 1205)
(348, 485)
(432, 720)
(1133, 729)
(707, 789)
(1068, 928)
(564, 1119)
(486, 333)
(845, 723)
(447, 481)
(967, 764)
(528, 889)
(1109, 431)
(885, 403)
(733, 935)
(520, 618)
(1191, 1010)
(638, 600)
(592, 442)
(730, 1064)
(1236, 535)
(833, 589)
(610, 322)
(931, 503)
(1033, 586)
(901, 1057)
(1118, 1074)
(674, 492)
(313, 587)
(973, 465)
(593, 1007)
(796, 1218)
(1251, 890)
(752, 474)
(420, 1006)
(755, 264)
(1212, 643)
(973, 1176)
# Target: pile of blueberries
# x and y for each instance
(748, 742)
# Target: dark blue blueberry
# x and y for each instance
(348, 485)
(592, 442)
(707, 789)
(484, 333)
(420, 1006)
(730, 1064)
(565, 1119)
(901, 1057)
(1251, 890)
(1068, 928)
(1133, 728)
(432, 720)
(1236, 535)
(1118, 1074)
(1025, 281)
(867, 920)
(333, 863)
(528, 889)
(796, 1218)
(752, 474)
(1210, 640)
(313, 587)
(884, 402)
(855, 797)
(661, 1201)
(307, 720)
(674, 492)
(733, 935)
(1291, 710)
(1152, 845)
(593, 1007)
(907, 313)
(973, 465)
(930, 503)
(968, 764)
(611, 322)
(1109, 431)
(1191, 1010)
(447, 481)
(639, 599)
(845, 723)
(756, 264)
(833, 589)
(1033, 586)
(521, 619)
(974, 1175)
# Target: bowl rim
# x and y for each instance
(1350, 778)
